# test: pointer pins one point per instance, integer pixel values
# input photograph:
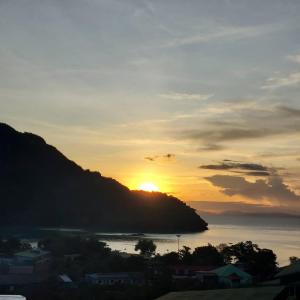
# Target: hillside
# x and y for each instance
(39, 186)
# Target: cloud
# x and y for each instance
(289, 111)
(290, 80)
(186, 96)
(250, 169)
(241, 123)
(255, 173)
(230, 165)
(227, 134)
(165, 157)
(211, 147)
(150, 158)
(294, 58)
(218, 33)
(272, 189)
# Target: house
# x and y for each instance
(290, 273)
(65, 281)
(23, 268)
(290, 276)
(261, 293)
(117, 278)
(33, 256)
(207, 278)
(12, 297)
(188, 272)
(231, 276)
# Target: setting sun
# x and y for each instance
(149, 187)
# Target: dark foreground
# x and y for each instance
(82, 267)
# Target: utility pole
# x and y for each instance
(178, 236)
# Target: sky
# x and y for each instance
(199, 98)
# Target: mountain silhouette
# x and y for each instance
(39, 186)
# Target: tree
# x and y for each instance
(241, 252)
(294, 259)
(258, 262)
(186, 255)
(12, 245)
(146, 247)
(264, 264)
(207, 256)
(170, 258)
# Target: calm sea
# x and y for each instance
(282, 235)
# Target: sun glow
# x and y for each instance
(149, 187)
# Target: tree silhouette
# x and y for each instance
(146, 247)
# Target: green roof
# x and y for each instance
(227, 270)
(35, 253)
(262, 293)
(293, 268)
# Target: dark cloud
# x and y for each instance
(150, 158)
(244, 124)
(250, 169)
(168, 157)
(289, 111)
(257, 173)
(272, 189)
(226, 134)
(212, 147)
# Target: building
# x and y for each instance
(261, 293)
(207, 278)
(232, 276)
(290, 276)
(65, 281)
(290, 273)
(117, 278)
(188, 272)
(12, 297)
(23, 268)
(33, 256)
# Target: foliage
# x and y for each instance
(257, 261)
(66, 245)
(12, 245)
(185, 255)
(207, 256)
(171, 258)
(294, 259)
(146, 247)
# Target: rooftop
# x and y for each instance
(12, 297)
(228, 270)
(291, 269)
(34, 253)
(115, 275)
(64, 278)
(262, 293)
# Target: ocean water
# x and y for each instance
(280, 234)
(284, 241)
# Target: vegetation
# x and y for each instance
(294, 259)
(80, 255)
(256, 261)
(12, 245)
(54, 191)
(146, 247)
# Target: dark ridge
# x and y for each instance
(39, 186)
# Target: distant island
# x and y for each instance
(39, 186)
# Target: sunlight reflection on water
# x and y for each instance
(284, 242)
